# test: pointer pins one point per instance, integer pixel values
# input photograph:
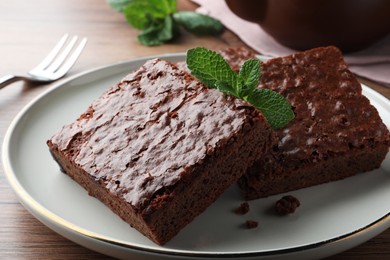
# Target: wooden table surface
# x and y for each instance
(28, 29)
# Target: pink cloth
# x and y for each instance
(372, 63)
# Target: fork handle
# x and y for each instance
(8, 79)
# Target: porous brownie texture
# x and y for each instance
(336, 133)
(159, 147)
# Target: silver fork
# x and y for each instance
(54, 66)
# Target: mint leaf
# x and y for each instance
(250, 77)
(198, 24)
(273, 106)
(211, 68)
(164, 6)
(158, 34)
(118, 5)
(143, 14)
(225, 88)
(153, 18)
(169, 6)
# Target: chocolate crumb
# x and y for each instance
(251, 224)
(287, 205)
(242, 209)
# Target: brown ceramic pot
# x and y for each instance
(303, 24)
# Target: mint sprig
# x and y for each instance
(212, 70)
(159, 20)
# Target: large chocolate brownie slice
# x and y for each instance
(336, 133)
(159, 147)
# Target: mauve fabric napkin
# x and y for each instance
(372, 63)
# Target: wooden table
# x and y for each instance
(28, 29)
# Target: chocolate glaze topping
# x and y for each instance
(143, 133)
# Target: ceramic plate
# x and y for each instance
(333, 217)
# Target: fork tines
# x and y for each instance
(62, 57)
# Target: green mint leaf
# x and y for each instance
(225, 88)
(142, 14)
(118, 5)
(169, 6)
(158, 34)
(273, 106)
(211, 69)
(149, 37)
(198, 24)
(249, 77)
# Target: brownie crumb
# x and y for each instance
(242, 209)
(250, 224)
(287, 205)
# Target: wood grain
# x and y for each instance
(28, 29)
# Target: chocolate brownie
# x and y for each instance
(336, 133)
(159, 147)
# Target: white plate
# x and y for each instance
(332, 217)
